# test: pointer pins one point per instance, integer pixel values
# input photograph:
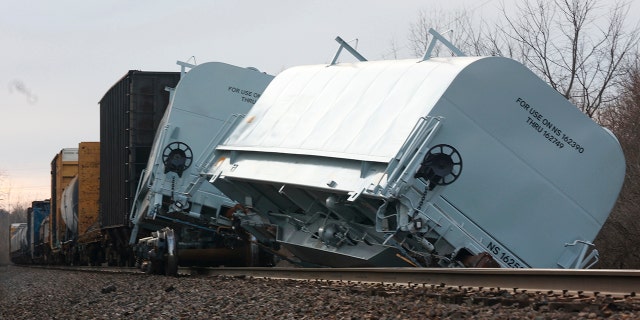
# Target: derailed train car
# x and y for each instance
(448, 162)
(196, 229)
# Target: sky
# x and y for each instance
(58, 58)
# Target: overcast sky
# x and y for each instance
(58, 58)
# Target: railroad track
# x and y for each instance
(611, 282)
(618, 283)
(586, 293)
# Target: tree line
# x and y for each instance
(18, 214)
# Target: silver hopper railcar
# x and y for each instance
(448, 162)
(185, 217)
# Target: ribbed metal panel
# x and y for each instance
(129, 116)
(88, 188)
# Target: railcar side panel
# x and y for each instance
(89, 191)
(37, 213)
(64, 168)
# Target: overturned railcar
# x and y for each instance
(187, 217)
(448, 162)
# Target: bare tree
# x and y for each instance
(393, 50)
(572, 47)
(570, 44)
(616, 240)
(459, 27)
(18, 214)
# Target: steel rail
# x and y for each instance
(96, 269)
(613, 282)
(599, 281)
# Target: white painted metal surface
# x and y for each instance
(360, 111)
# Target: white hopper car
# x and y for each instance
(184, 214)
(447, 162)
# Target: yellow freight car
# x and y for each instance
(64, 167)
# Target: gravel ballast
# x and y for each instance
(29, 293)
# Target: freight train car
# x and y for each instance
(194, 230)
(448, 162)
(130, 112)
(19, 244)
(27, 244)
(79, 209)
(36, 225)
(64, 167)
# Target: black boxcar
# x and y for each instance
(129, 116)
